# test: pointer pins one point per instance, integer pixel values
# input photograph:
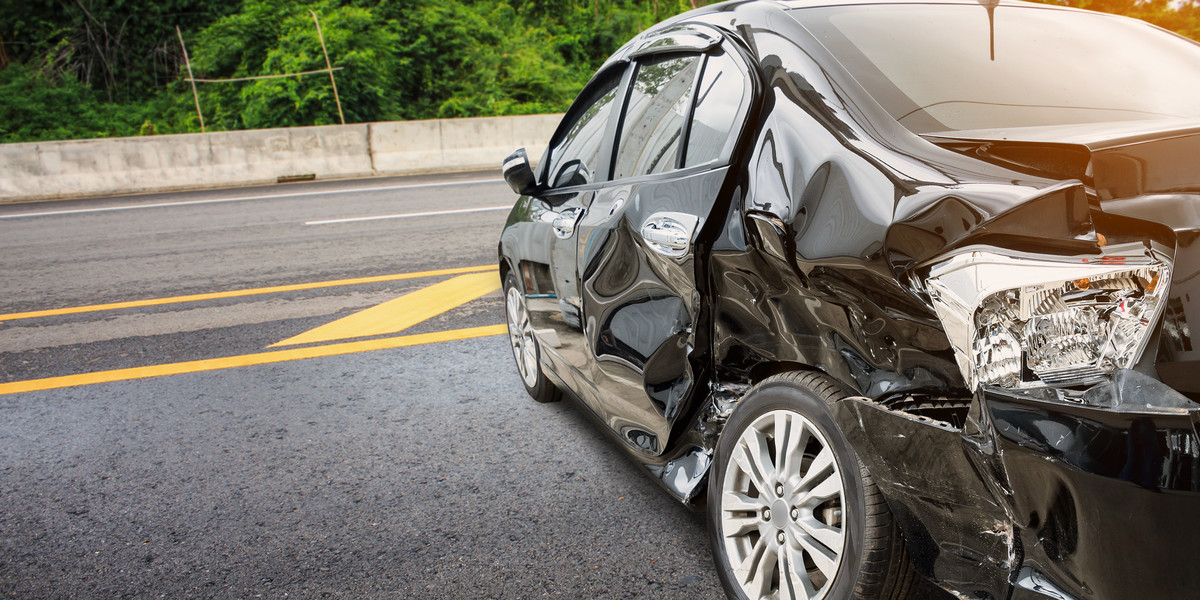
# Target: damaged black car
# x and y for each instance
(889, 289)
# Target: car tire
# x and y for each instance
(828, 497)
(524, 344)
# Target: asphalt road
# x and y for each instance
(414, 470)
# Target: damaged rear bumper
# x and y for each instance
(1033, 499)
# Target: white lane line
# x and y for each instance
(245, 198)
(411, 215)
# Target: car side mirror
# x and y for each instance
(519, 174)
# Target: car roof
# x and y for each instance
(707, 13)
(716, 14)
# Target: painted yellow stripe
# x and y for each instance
(247, 360)
(397, 315)
(239, 293)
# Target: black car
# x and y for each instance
(889, 288)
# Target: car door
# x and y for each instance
(637, 252)
(576, 163)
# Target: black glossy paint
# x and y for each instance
(814, 239)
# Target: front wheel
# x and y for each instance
(792, 512)
(524, 344)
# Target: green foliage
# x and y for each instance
(277, 37)
(478, 59)
(504, 57)
(124, 49)
(588, 33)
(88, 68)
(37, 108)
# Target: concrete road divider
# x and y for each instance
(82, 168)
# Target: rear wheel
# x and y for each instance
(524, 344)
(792, 512)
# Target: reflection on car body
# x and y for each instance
(890, 289)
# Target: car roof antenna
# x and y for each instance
(991, 5)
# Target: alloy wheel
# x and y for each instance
(520, 335)
(781, 511)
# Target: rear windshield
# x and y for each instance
(956, 67)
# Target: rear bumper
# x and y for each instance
(1105, 504)
(1035, 500)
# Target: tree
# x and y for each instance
(275, 37)
(125, 49)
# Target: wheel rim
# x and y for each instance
(520, 335)
(781, 509)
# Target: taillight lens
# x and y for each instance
(1024, 321)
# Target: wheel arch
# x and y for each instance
(768, 369)
(505, 264)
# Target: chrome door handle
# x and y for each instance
(670, 233)
(564, 222)
(672, 239)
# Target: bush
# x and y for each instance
(35, 108)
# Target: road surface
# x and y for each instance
(190, 407)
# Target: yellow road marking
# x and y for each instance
(263, 358)
(238, 293)
(397, 315)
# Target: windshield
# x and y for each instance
(957, 67)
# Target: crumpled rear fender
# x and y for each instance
(1042, 499)
(927, 225)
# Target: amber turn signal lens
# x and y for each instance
(1153, 285)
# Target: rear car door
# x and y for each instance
(577, 162)
(641, 239)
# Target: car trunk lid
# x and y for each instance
(1118, 160)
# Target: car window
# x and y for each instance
(658, 104)
(575, 158)
(1009, 66)
(722, 90)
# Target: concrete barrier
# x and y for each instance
(82, 168)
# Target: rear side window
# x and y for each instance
(718, 101)
(658, 103)
(575, 158)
